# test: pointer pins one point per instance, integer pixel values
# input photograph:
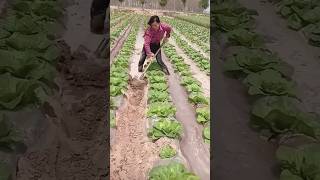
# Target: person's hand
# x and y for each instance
(151, 55)
(165, 40)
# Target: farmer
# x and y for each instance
(152, 38)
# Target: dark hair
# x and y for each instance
(154, 19)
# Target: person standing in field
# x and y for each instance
(152, 37)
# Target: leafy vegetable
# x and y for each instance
(246, 61)
(269, 82)
(161, 109)
(167, 152)
(9, 137)
(206, 134)
(198, 98)
(158, 96)
(159, 86)
(165, 128)
(279, 115)
(299, 163)
(243, 37)
(203, 115)
(172, 171)
(15, 91)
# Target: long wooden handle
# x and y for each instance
(142, 75)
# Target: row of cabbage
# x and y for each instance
(116, 31)
(161, 114)
(201, 20)
(202, 62)
(196, 34)
(117, 17)
(119, 74)
(28, 54)
(276, 110)
(193, 88)
(302, 15)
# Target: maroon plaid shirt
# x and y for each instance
(153, 36)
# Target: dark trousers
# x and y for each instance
(154, 48)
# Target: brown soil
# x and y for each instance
(75, 143)
(133, 154)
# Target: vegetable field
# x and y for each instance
(258, 52)
(157, 124)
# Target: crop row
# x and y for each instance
(275, 111)
(302, 15)
(196, 34)
(116, 20)
(115, 32)
(28, 56)
(161, 114)
(119, 75)
(195, 19)
(202, 62)
(193, 88)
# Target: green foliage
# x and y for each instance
(9, 137)
(161, 109)
(299, 163)
(163, 3)
(269, 82)
(279, 115)
(203, 114)
(206, 134)
(203, 4)
(165, 128)
(246, 61)
(172, 171)
(167, 152)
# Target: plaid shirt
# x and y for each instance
(153, 36)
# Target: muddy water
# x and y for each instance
(203, 78)
(192, 146)
(194, 46)
(293, 48)
(119, 43)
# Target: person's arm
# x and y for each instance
(167, 29)
(147, 40)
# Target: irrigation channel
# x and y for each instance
(266, 131)
(158, 124)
